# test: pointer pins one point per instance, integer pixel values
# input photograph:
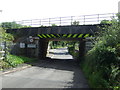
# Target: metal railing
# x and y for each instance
(61, 21)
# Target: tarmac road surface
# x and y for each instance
(59, 72)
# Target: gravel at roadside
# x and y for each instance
(18, 68)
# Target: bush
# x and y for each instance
(105, 22)
(13, 61)
(4, 65)
(102, 63)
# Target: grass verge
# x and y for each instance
(13, 61)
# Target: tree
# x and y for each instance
(102, 63)
(118, 15)
(75, 23)
(5, 36)
(10, 25)
(105, 22)
(54, 25)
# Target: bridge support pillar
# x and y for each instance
(81, 49)
(43, 45)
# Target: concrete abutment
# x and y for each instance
(43, 45)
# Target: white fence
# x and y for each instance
(2, 50)
(61, 21)
(2, 55)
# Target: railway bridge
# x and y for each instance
(33, 41)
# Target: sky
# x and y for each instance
(15, 10)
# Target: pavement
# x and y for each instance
(59, 72)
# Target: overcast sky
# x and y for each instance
(13, 10)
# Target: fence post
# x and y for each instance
(84, 19)
(113, 15)
(98, 19)
(71, 19)
(40, 22)
(60, 21)
(31, 23)
(49, 22)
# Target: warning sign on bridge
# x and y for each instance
(31, 46)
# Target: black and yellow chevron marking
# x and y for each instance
(64, 35)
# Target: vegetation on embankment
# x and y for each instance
(57, 44)
(14, 61)
(12, 25)
(102, 63)
(73, 49)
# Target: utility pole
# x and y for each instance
(119, 7)
(119, 11)
(0, 11)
